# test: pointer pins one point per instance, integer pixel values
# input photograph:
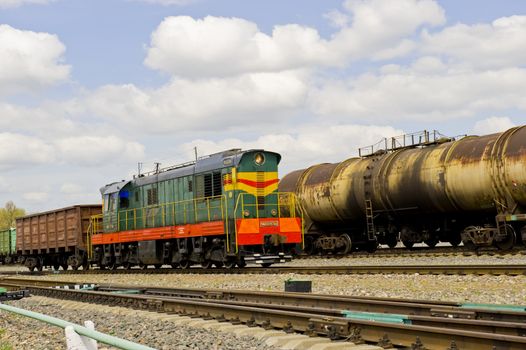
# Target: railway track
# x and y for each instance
(407, 323)
(502, 269)
(420, 251)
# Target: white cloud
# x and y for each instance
(492, 125)
(17, 149)
(204, 104)
(425, 91)
(29, 60)
(499, 44)
(71, 188)
(379, 28)
(16, 3)
(35, 197)
(218, 46)
(97, 150)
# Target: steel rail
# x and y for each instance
(339, 302)
(300, 321)
(504, 269)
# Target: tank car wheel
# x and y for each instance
(347, 244)
(185, 264)
(158, 266)
(455, 241)
(510, 239)
(75, 267)
(391, 242)
(432, 242)
(32, 268)
(207, 264)
(408, 244)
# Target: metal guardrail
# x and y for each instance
(81, 330)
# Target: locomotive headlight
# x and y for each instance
(274, 212)
(259, 158)
(246, 213)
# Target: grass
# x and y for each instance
(3, 345)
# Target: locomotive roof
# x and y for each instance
(204, 164)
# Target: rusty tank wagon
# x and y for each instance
(421, 187)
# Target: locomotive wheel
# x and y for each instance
(266, 264)
(510, 239)
(230, 264)
(207, 264)
(432, 242)
(185, 264)
(85, 265)
(218, 264)
(408, 244)
(241, 263)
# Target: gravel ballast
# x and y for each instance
(25, 333)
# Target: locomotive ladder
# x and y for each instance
(370, 219)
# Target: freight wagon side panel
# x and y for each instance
(4, 242)
(54, 231)
(13, 240)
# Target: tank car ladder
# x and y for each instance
(370, 219)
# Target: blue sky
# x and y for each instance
(90, 88)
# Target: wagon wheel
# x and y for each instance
(113, 266)
(126, 265)
(56, 267)
(206, 264)
(75, 267)
(230, 264)
(509, 241)
(391, 241)
(408, 244)
(455, 240)
(346, 244)
(40, 267)
(158, 266)
(431, 242)
(32, 268)
(185, 264)
(64, 266)
(175, 265)
(143, 266)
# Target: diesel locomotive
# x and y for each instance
(223, 209)
(421, 187)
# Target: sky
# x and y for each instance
(89, 89)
